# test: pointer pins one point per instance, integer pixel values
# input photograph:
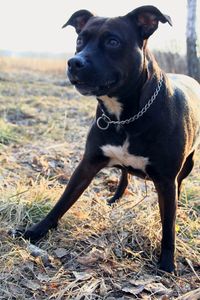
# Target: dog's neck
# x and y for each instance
(128, 101)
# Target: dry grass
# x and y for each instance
(43, 65)
(97, 252)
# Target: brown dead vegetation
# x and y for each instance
(97, 252)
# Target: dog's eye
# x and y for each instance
(79, 42)
(112, 42)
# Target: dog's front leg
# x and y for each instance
(167, 194)
(79, 181)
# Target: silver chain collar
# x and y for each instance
(107, 121)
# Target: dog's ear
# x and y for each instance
(147, 18)
(79, 19)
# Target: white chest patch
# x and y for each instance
(112, 105)
(119, 155)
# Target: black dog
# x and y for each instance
(147, 123)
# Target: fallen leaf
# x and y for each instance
(60, 252)
(31, 284)
(133, 290)
(38, 252)
(144, 280)
(157, 288)
(82, 275)
(53, 285)
(165, 297)
(87, 260)
(90, 259)
(103, 289)
(43, 277)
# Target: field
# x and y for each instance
(97, 252)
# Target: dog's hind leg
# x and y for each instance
(121, 187)
(185, 171)
(167, 194)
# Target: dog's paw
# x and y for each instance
(34, 233)
(15, 233)
(37, 231)
(168, 267)
(112, 200)
(167, 263)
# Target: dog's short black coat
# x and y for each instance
(112, 62)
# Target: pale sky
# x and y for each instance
(35, 25)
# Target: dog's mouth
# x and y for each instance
(87, 88)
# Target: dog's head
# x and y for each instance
(109, 51)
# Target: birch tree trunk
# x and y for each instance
(193, 62)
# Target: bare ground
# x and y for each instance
(97, 252)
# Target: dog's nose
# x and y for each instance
(75, 64)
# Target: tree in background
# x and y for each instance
(193, 61)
